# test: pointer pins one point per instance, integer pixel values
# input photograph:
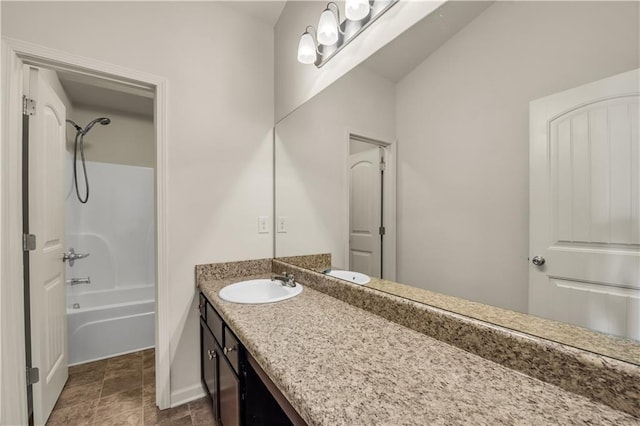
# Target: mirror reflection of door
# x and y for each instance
(585, 218)
(366, 229)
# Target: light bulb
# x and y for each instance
(306, 49)
(357, 9)
(327, 28)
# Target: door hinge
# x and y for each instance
(28, 106)
(381, 230)
(28, 242)
(33, 375)
(383, 165)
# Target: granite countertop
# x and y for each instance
(341, 365)
(605, 344)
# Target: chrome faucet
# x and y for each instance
(72, 256)
(286, 279)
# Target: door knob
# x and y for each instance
(538, 260)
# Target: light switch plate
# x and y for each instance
(282, 224)
(263, 226)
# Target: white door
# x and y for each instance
(46, 221)
(585, 206)
(365, 214)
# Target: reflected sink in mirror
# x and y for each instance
(258, 291)
(351, 276)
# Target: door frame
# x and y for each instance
(389, 200)
(15, 53)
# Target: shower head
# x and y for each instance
(102, 120)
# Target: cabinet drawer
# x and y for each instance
(232, 349)
(215, 323)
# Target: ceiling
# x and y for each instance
(105, 94)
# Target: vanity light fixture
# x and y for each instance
(356, 9)
(307, 50)
(328, 41)
(329, 25)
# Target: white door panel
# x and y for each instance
(365, 252)
(585, 203)
(46, 221)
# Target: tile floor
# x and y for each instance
(121, 391)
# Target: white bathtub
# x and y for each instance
(110, 323)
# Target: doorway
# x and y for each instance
(17, 55)
(371, 217)
(89, 192)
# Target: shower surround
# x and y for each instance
(115, 313)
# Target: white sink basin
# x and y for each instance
(351, 276)
(258, 291)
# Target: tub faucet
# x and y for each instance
(286, 279)
(72, 256)
(76, 281)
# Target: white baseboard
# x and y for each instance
(184, 395)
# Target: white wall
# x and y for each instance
(462, 120)
(219, 66)
(312, 149)
(296, 83)
(129, 139)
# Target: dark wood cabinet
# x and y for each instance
(209, 359)
(220, 380)
(230, 395)
(241, 393)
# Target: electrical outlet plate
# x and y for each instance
(263, 226)
(282, 224)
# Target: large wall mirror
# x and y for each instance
(487, 135)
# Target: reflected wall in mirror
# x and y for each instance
(450, 102)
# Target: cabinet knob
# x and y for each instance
(200, 306)
(212, 354)
(228, 350)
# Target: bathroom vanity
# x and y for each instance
(241, 393)
(336, 364)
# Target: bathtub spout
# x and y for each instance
(76, 281)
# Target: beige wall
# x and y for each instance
(219, 66)
(462, 120)
(312, 149)
(128, 140)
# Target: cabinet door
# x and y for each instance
(232, 349)
(202, 307)
(209, 362)
(229, 395)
